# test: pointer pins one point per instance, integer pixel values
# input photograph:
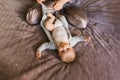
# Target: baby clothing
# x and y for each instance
(59, 34)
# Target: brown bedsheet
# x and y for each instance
(97, 60)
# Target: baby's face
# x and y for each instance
(66, 53)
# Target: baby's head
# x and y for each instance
(66, 53)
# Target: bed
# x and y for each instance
(97, 60)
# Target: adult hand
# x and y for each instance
(59, 4)
(40, 1)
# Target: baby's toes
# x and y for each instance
(38, 55)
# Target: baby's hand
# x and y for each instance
(40, 1)
(38, 55)
(87, 38)
(50, 15)
(59, 4)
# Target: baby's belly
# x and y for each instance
(60, 35)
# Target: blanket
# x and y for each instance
(97, 60)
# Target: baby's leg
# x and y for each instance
(77, 39)
(49, 22)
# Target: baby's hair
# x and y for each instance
(68, 57)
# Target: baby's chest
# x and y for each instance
(59, 33)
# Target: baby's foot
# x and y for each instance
(38, 55)
(87, 38)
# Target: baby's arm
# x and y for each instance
(44, 46)
(49, 22)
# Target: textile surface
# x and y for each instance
(97, 60)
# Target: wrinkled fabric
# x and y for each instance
(97, 60)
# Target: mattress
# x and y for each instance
(97, 60)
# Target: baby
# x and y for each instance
(60, 38)
(57, 31)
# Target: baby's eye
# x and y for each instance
(68, 48)
(62, 51)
